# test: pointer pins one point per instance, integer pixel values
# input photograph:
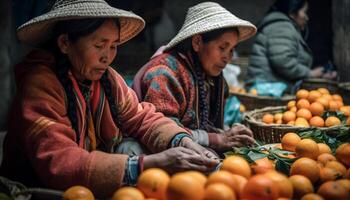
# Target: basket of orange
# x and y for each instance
(252, 100)
(311, 109)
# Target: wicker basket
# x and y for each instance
(344, 90)
(315, 83)
(252, 102)
(272, 133)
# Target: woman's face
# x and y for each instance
(92, 54)
(215, 54)
(301, 18)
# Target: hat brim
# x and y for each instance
(246, 31)
(39, 29)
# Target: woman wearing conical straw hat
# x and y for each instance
(184, 81)
(72, 109)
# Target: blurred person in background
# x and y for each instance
(280, 53)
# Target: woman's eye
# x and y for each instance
(113, 47)
(98, 46)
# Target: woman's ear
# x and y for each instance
(63, 43)
(197, 42)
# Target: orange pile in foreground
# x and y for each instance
(316, 174)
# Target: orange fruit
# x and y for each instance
(223, 177)
(307, 148)
(332, 121)
(292, 123)
(324, 158)
(343, 154)
(236, 165)
(313, 95)
(323, 90)
(337, 97)
(262, 165)
(340, 103)
(288, 116)
(153, 183)
(345, 183)
(303, 103)
(279, 121)
(304, 113)
(337, 166)
(316, 109)
(78, 192)
(302, 122)
(241, 182)
(323, 101)
(278, 116)
(302, 94)
(268, 118)
(312, 196)
(182, 186)
(301, 185)
(285, 187)
(125, 193)
(333, 105)
(332, 190)
(316, 121)
(329, 174)
(289, 141)
(293, 109)
(347, 122)
(218, 191)
(345, 110)
(306, 167)
(197, 175)
(254, 92)
(323, 148)
(328, 97)
(242, 108)
(260, 187)
(347, 174)
(291, 104)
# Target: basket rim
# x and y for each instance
(285, 97)
(249, 117)
(319, 80)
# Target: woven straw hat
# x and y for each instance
(38, 30)
(209, 16)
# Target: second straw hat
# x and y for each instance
(209, 16)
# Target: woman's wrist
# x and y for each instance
(150, 161)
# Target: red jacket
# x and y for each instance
(41, 148)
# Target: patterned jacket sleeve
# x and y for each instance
(141, 121)
(161, 87)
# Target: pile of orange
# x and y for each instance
(321, 176)
(308, 108)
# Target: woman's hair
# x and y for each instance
(186, 45)
(288, 6)
(76, 29)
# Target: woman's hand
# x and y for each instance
(331, 75)
(180, 159)
(316, 72)
(189, 144)
(237, 136)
